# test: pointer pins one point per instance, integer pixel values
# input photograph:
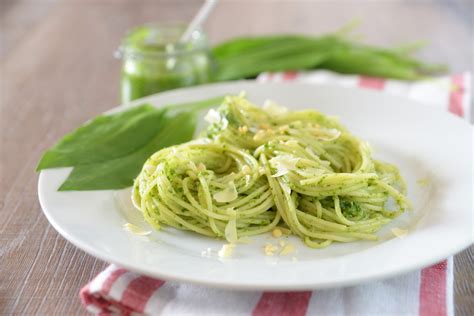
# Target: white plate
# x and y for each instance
(425, 143)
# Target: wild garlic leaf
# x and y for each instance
(246, 57)
(104, 138)
(109, 151)
(288, 53)
(120, 172)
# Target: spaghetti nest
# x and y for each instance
(258, 168)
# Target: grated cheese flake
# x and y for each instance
(228, 194)
(399, 232)
(269, 249)
(226, 251)
(273, 108)
(134, 229)
(213, 117)
(231, 231)
(287, 249)
(283, 164)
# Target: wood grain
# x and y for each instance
(57, 71)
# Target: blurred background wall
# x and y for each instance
(446, 25)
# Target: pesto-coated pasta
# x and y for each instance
(259, 168)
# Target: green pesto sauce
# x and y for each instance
(154, 61)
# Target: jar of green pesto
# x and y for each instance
(155, 60)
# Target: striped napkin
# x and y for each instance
(428, 292)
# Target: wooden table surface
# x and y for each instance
(57, 71)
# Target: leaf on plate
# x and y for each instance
(120, 172)
(104, 138)
(109, 151)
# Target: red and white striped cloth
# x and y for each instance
(428, 292)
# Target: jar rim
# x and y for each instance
(197, 43)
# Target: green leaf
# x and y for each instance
(246, 57)
(250, 45)
(119, 173)
(378, 62)
(362, 61)
(108, 152)
(240, 45)
(253, 56)
(104, 138)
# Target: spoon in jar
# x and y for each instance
(198, 20)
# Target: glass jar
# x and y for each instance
(154, 60)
